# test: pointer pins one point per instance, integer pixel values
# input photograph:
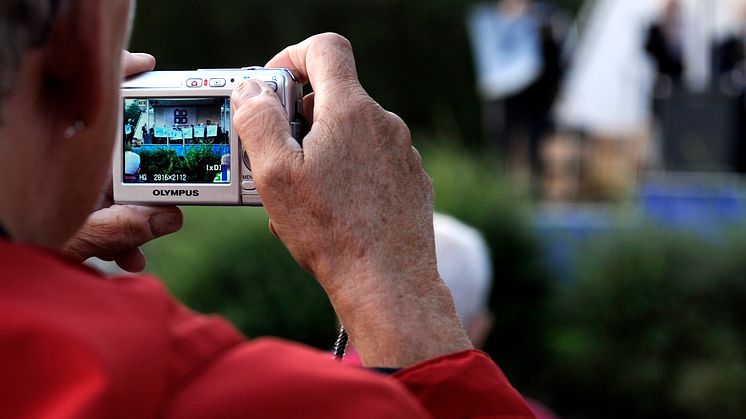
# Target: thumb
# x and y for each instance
(262, 124)
(135, 63)
(119, 228)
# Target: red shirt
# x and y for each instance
(76, 344)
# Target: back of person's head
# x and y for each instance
(465, 266)
(131, 163)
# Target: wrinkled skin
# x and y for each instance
(353, 206)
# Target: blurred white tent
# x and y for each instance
(607, 92)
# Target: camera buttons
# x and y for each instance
(194, 83)
(272, 84)
(248, 185)
(251, 199)
(217, 82)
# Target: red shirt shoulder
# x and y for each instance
(76, 344)
(274, 378)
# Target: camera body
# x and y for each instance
(178, 145)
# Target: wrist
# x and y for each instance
(399, 320)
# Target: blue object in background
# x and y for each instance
(707, 205)
(703, 207)
(564, 231)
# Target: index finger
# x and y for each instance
(325, 60)
(135, 63)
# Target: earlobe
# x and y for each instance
(75, 62)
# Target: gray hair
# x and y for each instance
(465, 265)
(24, 24)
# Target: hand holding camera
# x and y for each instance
(353, 205)
(178, 145)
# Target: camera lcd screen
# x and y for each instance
(177, 140)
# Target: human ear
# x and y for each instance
(75, 62)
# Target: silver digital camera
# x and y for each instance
(178, 145)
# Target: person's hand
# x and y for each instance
(353, 206)
(116, 232)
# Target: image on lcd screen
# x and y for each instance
(176, 140)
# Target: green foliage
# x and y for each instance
(656, 325)
(163, 160)
(132, 113)
(158, 161)
(225, 261)
(655, 328)
(196, 160)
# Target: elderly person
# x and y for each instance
(74, 344)
(465, 265)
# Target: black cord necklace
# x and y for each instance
(4, 234)
(340, 346)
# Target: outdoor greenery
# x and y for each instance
(196, 160)
(655, 325)
(165, 161)
(132, 113)
(226, 261)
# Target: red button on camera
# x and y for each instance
(194, 83)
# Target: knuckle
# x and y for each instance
(357, 113)
(398, 129)
(124, 231)
(389, 127)
(335, 52)
(360, 107)
(332, 39)
(262, 118)
(104, 236)
(416, 158)
(272, 174)
(250, 106)
(256, 116)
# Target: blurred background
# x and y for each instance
(598, 146)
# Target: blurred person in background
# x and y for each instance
(696, 48)
(665, 44)
(729, 67)
(605, 99)
(74, 344)
(131, 166)
(465, 265)
(516, 47)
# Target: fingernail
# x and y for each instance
(144, 55)
(165, 223)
